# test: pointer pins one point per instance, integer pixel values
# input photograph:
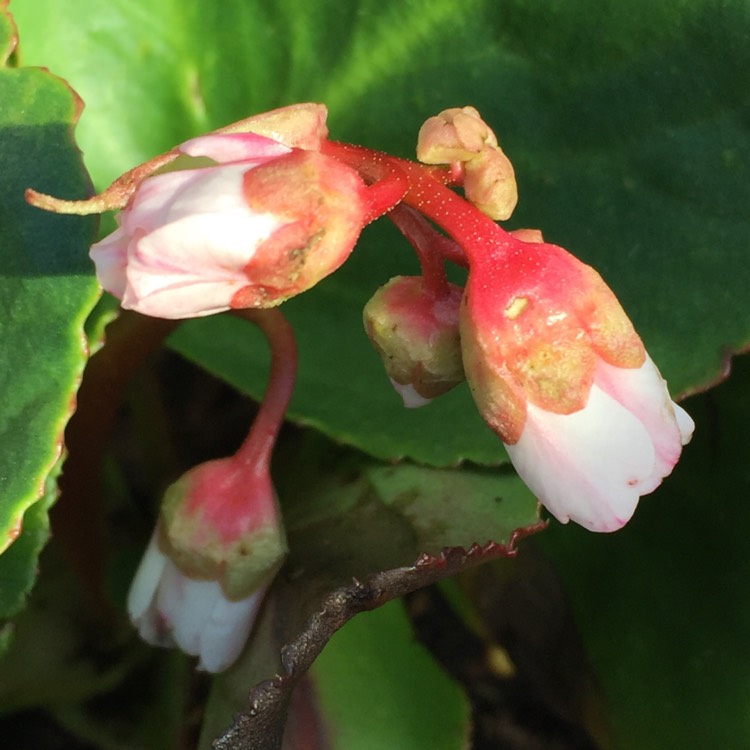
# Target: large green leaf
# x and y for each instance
(626, 122)
(664, 604)
(46, 290)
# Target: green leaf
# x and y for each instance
(455, 508)
(626, 124)
(663, 604)
(47, 290)
(376, 687)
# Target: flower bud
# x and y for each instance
(218, 544)
(559, 373)
(456, 134)
(461, 135)
(490, 184)
(260, 225)
(527, 235)
(221, 522)
(417, 337)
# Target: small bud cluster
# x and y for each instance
(460, 135)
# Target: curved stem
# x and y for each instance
(422, 237)
(464, 222)
(429, 194)
(256, 449)
(386, 192)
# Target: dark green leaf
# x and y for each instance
(663, 604)
(47, 290)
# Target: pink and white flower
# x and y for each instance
(250, 223)
(218, 543)
(558, 371)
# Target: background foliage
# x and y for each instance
(627, 123)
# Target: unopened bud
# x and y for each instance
(262, 225)
(220, 521)
(560, 374)
(215, 550)
(490, 183)
(417, 337)
(456, 134)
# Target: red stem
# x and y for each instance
(257, 447)
(386, 192)
(422, 236)
(428, 193)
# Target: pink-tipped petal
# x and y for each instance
(643, 392)
(590, 466)
(168, 278)
(110, 257)
(152, 205)
(191, 240)
(232, 147)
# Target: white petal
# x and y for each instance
(171, 196)
(412, 400)
(229, 147)
(193, 264)
(186, 605)
(146, 581)
(154, 198)
(589, 466)
(171, 609)
(684, 423)
(111, 257)
(227, 630)
(643, 392)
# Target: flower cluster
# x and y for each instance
(247, 217)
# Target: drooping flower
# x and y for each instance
(559, 373)
(217, 545)
(416, 335)
(261, 224)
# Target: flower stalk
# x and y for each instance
(255, 452)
